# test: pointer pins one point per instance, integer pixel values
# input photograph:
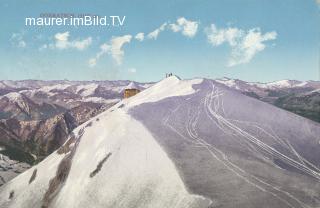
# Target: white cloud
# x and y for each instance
(132, 70)
(82, 44)
(251, 44)
(103, 50)
(17, 40)
(318, 2)
(154, 34)
(114, 48)
(139, 36)
(230, 35)
(187, 27)
(244, 44)
(62, 36)
(62, 42)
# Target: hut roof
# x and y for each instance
(132, 85)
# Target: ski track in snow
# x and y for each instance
(212, 103)
(141, 142)
(262, 145)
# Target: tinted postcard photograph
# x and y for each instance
(160, 104)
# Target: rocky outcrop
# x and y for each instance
(38, 138)
(10, 168)
(25, 143)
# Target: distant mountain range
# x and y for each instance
(300, 97)
(181, 143)
(37, 116)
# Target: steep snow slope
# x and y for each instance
(228, 146)
(180, 143)
(169, 87)
(112, 161)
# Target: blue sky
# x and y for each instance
(253, 40)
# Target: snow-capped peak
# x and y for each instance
(243, 85)
(229, 82)
(14, 96)
(87, 90)
(20, 100)
(132, 85)
(106, 157)
(168, 87)
(55, 87)
(281, 83)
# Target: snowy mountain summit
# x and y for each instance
(180, 143)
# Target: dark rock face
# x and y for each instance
(237, 150)
(57, 182)
(305, 104)
(37, 116)
(24, 108)
(31, 141)
(11, 195)
(33, 176)
(42, 137)
(99, 166)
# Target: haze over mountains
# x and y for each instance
(180, 143)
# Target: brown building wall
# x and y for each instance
(130, 92)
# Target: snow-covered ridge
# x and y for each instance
(55, 87)
(228, 82)
(169, 87)
(13, 96)
(239, 84)
(154, 149)
(135, 164)
(281, 84)
(87, 90)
